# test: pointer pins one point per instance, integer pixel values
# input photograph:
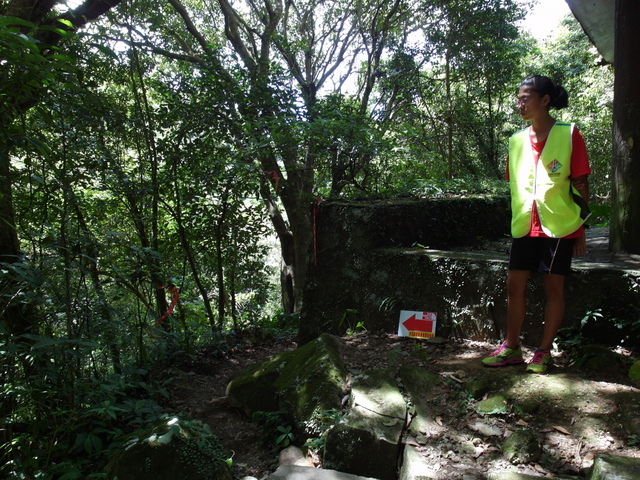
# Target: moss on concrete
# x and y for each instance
(305, 383)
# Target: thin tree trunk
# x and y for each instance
(220, 239)
(449, 119)
(191, 260)
(148, 242)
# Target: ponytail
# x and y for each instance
(544, 86)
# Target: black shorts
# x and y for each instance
(541, 254)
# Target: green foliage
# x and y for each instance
(395, 353)
(130, 171)
(277, 429)
(349, 321)
(451, 122)
(62, 422)
(600, 215)
(285, 437)
(324, 420)
(617, 324)
(468, 186)
(28, 66)
(171, 446)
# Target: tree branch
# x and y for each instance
(232, 31)
(191, 28)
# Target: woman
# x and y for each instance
(547, 165)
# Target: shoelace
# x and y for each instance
(501, 350)
(498, 350)
(538, 356)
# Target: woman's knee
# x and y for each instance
(517, 282)
(554, 287)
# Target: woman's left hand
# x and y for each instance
(580, 246)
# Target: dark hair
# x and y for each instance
(544, 86)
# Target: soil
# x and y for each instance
(575, 414)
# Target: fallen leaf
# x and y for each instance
(561, 430)
(439, 420)
(412, 442)
(522, 423)
(538, 468)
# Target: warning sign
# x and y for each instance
(417, 324)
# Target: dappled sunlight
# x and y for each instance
(585, 416)
(573, 392)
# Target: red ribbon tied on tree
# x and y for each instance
(273, 175)
(175, 296)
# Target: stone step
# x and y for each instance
(294, 472)
(523, 476)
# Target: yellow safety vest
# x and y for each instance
(547, 184)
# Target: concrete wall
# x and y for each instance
(447, 256)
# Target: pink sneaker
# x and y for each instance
(503, 356)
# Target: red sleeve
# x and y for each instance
(579, 157)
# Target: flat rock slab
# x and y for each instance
(522, 476)
(367, 441)
(292, 472)
(418, 385)
(613, 467)
(415, 466)
(378, 392)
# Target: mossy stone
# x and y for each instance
(614, 467)
(529, 405)
(478, 387)
(305, 383)
(171, 448)
(522, 446)
(418, 385)
(493, 405)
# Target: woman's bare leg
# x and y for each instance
(516, 304)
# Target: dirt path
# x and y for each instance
(575, 414)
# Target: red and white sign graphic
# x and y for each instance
(417, 324)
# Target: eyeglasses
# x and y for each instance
(522, 101)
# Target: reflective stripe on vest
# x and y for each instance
(548, 183)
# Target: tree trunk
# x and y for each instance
(625, 198)
(12, 312)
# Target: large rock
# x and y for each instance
(613, 467)
(169, 449)
(367, 441)
(305, 383)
